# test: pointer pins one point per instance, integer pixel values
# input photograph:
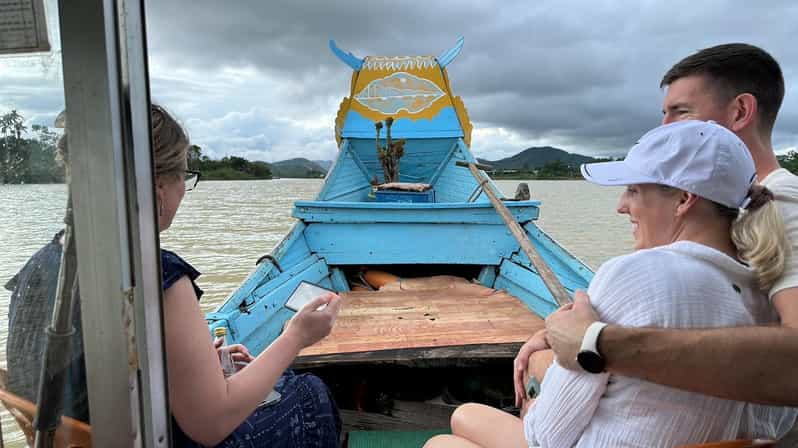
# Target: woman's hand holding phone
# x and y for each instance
(314, 321)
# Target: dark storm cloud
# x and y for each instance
(577, 74)
(583, 76)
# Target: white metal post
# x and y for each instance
(107, 106)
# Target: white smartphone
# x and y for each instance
(304, 293)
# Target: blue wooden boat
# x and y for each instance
(486, 296)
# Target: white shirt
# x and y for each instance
(784, 186)
(682, 285)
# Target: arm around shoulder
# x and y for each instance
(756, 364)
(753, 363)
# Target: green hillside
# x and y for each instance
(540, 162)
(299, 167)
(537, 157)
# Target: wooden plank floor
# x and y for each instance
(395, 321)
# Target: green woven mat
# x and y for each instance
(392, 439)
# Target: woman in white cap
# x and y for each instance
(702, 228)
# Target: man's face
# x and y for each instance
(692, 98)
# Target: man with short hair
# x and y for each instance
(740, 87)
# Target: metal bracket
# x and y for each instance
(272, 260)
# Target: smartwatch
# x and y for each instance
(589, 357)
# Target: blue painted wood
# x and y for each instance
(444, 163)
(338, 279)
(444, 124)
(425, 197)
(419, 163)
(527, 286)
(348, 179)
(571, 267)
(344, 227)
(448, 56)
(389, 212)
(487, 276)
(456, 183)
(264, 272)
(264, 320)
(410, 243)
(346, 57)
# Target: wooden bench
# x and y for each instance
(465, 321)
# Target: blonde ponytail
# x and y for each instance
(760, 237)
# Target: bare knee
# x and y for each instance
(442, 441)
(465, 418)
(449, 441)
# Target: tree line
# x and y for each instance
(555, 169)
(227, 168)
(790, 161)
(27, 156)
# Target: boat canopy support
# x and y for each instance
(108, 131)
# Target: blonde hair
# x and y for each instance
(760, 237)
(757, 232)
(169, 144)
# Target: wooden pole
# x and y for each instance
(546, 274)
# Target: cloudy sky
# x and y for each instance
(256, 79)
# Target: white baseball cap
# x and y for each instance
(701, 157)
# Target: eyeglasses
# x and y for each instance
(191, 179)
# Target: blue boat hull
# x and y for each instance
(446, 226)
(333, 234)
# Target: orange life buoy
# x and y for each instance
(378, 279)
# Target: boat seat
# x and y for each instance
(71, 433)
(734, 444)
(413, 320)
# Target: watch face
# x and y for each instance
(591, 361)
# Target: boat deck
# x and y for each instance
(402, 324)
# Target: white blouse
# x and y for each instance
(682, 285)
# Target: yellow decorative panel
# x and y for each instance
(465, 122)
(400, 87)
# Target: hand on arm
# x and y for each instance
(520, 365)
(709, 361)
(566, 327)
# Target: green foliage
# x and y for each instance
(553, 169)
(228, 168)
(790, 161)
(24, 159)
(29, 157)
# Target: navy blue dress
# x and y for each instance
(305, 416)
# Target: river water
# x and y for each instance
(223, 227)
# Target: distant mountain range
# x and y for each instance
(526, 160)
(326, 164)
(299, 168)
(536, 157)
